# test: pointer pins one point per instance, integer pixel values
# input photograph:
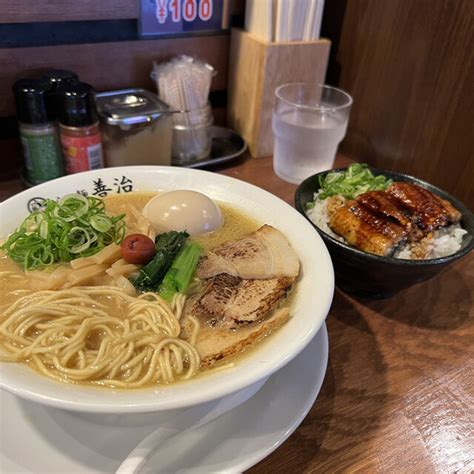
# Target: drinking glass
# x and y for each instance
(309, 121)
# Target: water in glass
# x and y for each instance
(306, 142)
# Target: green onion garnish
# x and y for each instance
(75, 226)
(357, 179)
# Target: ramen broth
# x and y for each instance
(11, 287)
(235, 225)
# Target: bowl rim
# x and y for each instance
(313, 308)
(379, 258)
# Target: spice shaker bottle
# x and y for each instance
(38, 131)
(57, 77)
(79, 127)
(60, 76)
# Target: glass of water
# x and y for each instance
(309, 121)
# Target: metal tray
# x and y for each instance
(226, 146)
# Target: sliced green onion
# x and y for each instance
(75, 226)
(79, 240)
(71, 207)
(101, 223)
(43, 229)
(356, 179)
(31, 223)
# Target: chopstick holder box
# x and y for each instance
(256, 69)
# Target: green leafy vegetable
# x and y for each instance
(357, 179)
(167, 246)
(75, 226)
(178, 277)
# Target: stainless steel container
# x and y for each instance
(192, 137)
(136, 128)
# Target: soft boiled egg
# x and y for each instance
(183, 210)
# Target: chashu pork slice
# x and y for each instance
(216, 343)
(229, 301)
(235, 314)
(263, 254)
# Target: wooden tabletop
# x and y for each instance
(398, 392)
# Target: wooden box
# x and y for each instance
(256, 69)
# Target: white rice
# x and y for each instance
(441, 243)
(319, 216)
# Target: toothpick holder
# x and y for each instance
(256, 69)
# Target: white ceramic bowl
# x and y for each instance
(309, 308)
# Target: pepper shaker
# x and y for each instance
(38, 131)
(79, 127)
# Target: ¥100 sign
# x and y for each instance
(168, 17)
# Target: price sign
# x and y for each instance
(165, 17)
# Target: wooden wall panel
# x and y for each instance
(11, 158)
(409, 65)
(25, 11)
(109, 66)
(237, 7)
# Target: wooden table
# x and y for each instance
(398, 392)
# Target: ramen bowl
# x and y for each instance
(309, 305)
(367, 275)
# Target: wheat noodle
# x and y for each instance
(76, 335)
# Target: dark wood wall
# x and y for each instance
(97, 39)
(409, 65)
(25, 11)
(107, 65)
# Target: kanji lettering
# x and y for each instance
(100, 188)
(123, 184)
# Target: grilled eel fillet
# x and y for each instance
(379, 221)
(365, 230)
(430, 212)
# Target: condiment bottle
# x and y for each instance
(79, 127)
(58, 77)
(38, 131)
